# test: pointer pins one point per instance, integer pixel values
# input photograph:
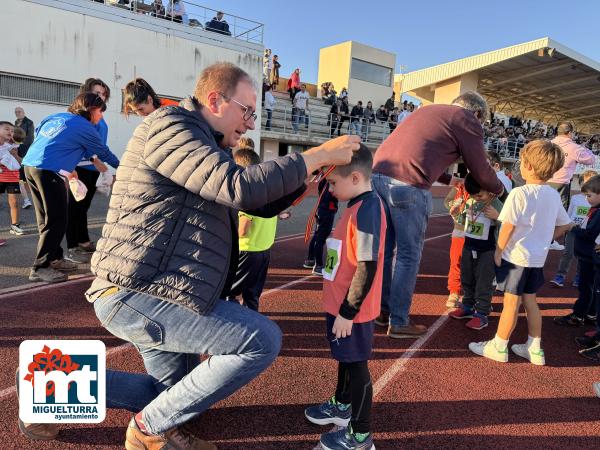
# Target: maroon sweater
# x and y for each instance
(432, 138)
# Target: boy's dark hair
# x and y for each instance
(494, 158)
(136, 92)
(362, 161)
(84, 103)
(592, 185)
(19, 135)
(471, 185)
(90, 83)
(6, 122)
(246, 157)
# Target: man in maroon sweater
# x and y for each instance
(411, 159)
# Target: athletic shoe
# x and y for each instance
(453, 300)
(534, 357)
(461, 312)
(592, 353)
(176, 438)
(383, 319)
(16, 229)
(587, 341)
(77, 256)
(329, 412)
(90, 248)
(558, 280)
(556, 246)
(2, 242)
(576, 280)
(318, 270)
(26, 203)
(346, 439)
(570, 320)
(596, 386)
(308, 263)
(589, 319)
(478, 322)
(63, 265)
(38, 431)
(412, 330)
(489, 350)
(47, 274)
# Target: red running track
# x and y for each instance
(431, 393)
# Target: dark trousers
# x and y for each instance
(354, 386)
(324, 226)
(597, 298)
(585, 303)
(565, 193)
(477, 272)
(333, 123)
(77, 223)
(341, 123)
(250, 277)
(269, 117)
(49, 198)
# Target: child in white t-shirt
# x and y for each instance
(578, 210)
(532, 217)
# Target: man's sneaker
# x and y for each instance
(177, 438)
(2, 242)
(570, 320)
(556, 246)
(308, 263)
(587, 341)
(329, 412)
(576, 280)
(63, 265)
(346, 439)
(558, 280)
(38, 431)
(26, 203)
(592, 353)
(383, 319)
(47, 274)
(596, 387)
(589, 319)
(478, 322)
(534, 357)
(77, 256)
(489, 350)
(15, 228)
(318, 270)
(461, 312)
(453, 300)
(411, 330)
(89, 248)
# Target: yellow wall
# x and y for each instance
(334, 65)
(448, 90)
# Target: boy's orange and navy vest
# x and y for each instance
(342, 257)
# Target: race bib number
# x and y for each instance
(480, 229)
(580, 217)
(332, 258)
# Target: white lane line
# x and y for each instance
(36, 287)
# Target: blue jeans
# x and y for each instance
(241, 343)
(299, 116)
(355, 127)
(407, 210)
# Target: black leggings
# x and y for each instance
(354, 386)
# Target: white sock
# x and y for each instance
(534, 343)
(501, 344)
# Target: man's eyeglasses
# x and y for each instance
(248, 113)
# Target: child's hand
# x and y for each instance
(498, 257)
(284, 215)
(342, 327)
(490, 212)
(454, 210)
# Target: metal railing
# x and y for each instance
(194, 16)
(321, 125)
(507, 149)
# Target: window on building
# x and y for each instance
(372, 73)
(23, 87)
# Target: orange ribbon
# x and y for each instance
(47, 361)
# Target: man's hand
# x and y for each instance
(498, 257)
(336, 151)
(284, 215)
(342, 327)
(490, 212)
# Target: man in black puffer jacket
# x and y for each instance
(167, 248)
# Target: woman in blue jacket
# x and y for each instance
(61, 141)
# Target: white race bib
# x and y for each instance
(332, 258)
(581, 215)
(480, 229)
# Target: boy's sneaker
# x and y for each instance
(63, 265)
(596, 387)
(318, 270)
(587, 341)
(453, 300)
(177, 438)
(76, 256)
(15, 228)
(383, 319)
(570, 320)
(47, 274)
(346, 439)
(478, 322)
(556, 246)
(330, 412)
(489, 350)
(592, 353)
(308, 263)
(534, 357)
(26, 203)
(576, 280)
(461, 312)
(558, 280)
(38, 431)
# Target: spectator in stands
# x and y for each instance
(389, 104)
(26, 124)
(417, 154)
(267, 65)
(344, 93)
(393, 119)
(574, 153)
(269, 105)
(368, 119)
(356, 116)
(334, 117)
(382, 114)
(404, 113)
(176, 11)
(218, 24)
(328, 93)
(158, 9)
(496, 163)
(139, 98)
(294, 84)
(300, 107)
(275, 72)
(344, 113)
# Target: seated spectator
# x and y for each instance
(158, 9)
(176, 12)
(368, 119)
(382, 114)
(356, 116)
(393, 119)
(218, 25)
(325, 90)
(344, 93)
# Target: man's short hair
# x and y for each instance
(544, 156)
(90, 83)
(362, 161)
(5, 122)
(246, 157)
(565, 128)
(592, 186)
(586, 175)
(220, 77)
(472, 101)
(245, 142)
(494, 158)
(471, 185)
(19, 135)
